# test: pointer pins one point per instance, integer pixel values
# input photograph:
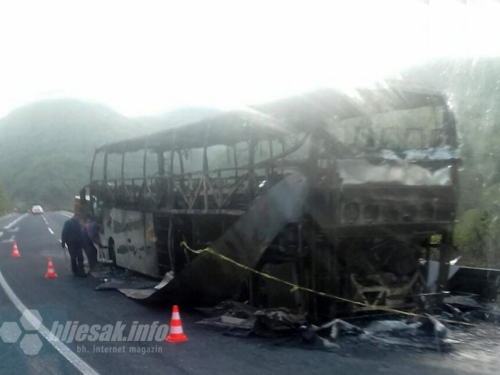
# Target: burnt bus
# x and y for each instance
(345, 195)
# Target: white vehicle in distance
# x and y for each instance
(37, 210)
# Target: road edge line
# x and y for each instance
(66, 352)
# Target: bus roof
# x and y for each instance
(225, 128)
(276, 118)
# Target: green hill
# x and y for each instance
(46, 148)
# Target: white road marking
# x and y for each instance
(10, 225)
(9, 240)
(51, 231)
(60, 240)
(1, 234)
(67, 353)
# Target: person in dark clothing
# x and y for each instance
(72, 237)
(90, 235)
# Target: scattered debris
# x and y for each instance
(130, 283)
(468, 309)
(392, 326)
(339, 328)
(117, 279)
(278, 322)
(147, 293)
(227, 322)
(231, 315)
(288, 328)
(434, 327)
(232, 320)
(229, 307)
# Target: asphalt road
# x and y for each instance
(67, 298)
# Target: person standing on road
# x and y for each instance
(90, 235)
(72, 236)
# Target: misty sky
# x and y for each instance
(146, 57)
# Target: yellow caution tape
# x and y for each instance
(296, 287)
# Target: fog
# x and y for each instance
(154, 56)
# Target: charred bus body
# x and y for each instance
(339, 194)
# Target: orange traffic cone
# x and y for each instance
(176, 334)
(15, 250)
(51, 274)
